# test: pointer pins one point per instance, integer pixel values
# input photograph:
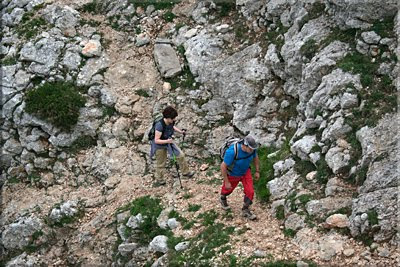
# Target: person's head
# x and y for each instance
(249, 144)
(170, 114)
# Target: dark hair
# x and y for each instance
(170, 113)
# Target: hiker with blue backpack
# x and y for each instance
(235, 168)
(162, 143)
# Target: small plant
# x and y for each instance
(323, 171)
(150, 209)
(280, 212)
(225, 7)
(289, 232)
(94, 7)
(185, 80)
(13, 180)
(57, 103)
(194, 207)
(108, 111)
(158, 5)
(208, 217)
(30, 25)
(372, 217)
(204, 247)
(303, 167)
(346, 36)
(169, 16)
(187, 195)
(359, 64)
(177, 216)
(267, 170)
(82, 142)
(309, 49)
(276, 36)
(188, 225)
(304, 198)
(142, 92)
(384, 28)
(9, 61)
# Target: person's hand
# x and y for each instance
(257, 175)
(170, 141)
(184, 131)
(228, 185)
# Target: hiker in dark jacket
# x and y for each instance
(163, 143)
(238, 170)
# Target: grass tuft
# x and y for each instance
(57, 103)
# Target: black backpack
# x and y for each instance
(152, 133)
(235, 142)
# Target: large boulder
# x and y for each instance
(360, 13)
(166, 59)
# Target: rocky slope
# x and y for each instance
(316, 82)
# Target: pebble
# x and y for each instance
(348, 252)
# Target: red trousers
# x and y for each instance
(247, 182)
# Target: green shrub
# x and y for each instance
(208, 217)
(194, 207)
(203, 247)
(372, 217)
(82, 142)
(323, 171)
(169, 16)
(384, 28)
(150, 209)
(142, 92)
(57, 103)
(358, 63)
(94, 7)
(346, 36)
(9, 61)
(303, 167)
(277, 36)
(224, 7)
(158, 4)
(280, 212)
(30, 25)
(289, 232)
(185, 80)
(309, 49)
(267, 170)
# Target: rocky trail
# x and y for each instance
(288, 72)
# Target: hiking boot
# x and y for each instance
(224, 203)
(248, 214)
(189, 174)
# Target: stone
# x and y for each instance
(303, 147)
(190, 33)
(348, 252)
(167, 60)
(323, 206)
(159, 244)
(338, 220)
(182, 246)
(92, 48)
(348, 101)
(295, 222)
(281, 186)
(127, 248)
(17, 235)
(337, 159)
(311, 175)
(371, 37)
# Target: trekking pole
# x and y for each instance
(176, 165)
